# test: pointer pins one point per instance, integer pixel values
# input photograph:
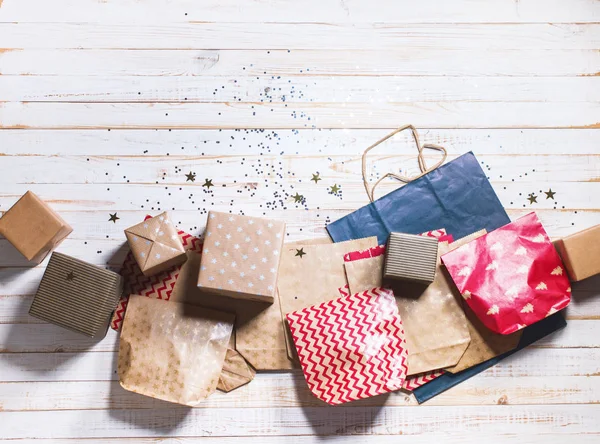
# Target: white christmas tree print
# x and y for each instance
(551, 312)
(569, 290)
(464, 271)
(541, 286)
(539, 239)
(492, 266)
(558, 271)
(493, 310)
(497, 247)
(528, 308)
(523, 269)
(521, 251)
(466, 294)
(512, 291)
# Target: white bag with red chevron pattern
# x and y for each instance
(351, 347)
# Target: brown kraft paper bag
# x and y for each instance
(313, 273)
(437, 332)
(171, 351)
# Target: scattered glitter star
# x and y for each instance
(315, 177)
(191, 177)
(208, 183)
(550, 194)
(532, 199)
(298, 198)
(70, 276)
(335, 189)
(300, 252)
(113, 218)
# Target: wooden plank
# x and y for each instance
(298, 115)
(565, 420)
(511, 142)
(38, 338)
(299, 65)
(349, 11)
(348, 89)
(535, 172)
(332, 439)
(290, 389)
(223, 35)
(100, 366)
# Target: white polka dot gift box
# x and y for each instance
(511, 277)
(241, 255)
(155, 245)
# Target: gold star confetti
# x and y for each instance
(70, 276)
(191, 177)
(550, 194)
(208, 183)
(316, 178)
(532, 199)
(298, 198)
(300, 252)
(335, 189)
(113, 218)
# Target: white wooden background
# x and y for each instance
(105, 105)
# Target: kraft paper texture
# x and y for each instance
(33, 228)
(172, 351)
(437, 332)
(241, 256)
(311, 274)
(155, 244)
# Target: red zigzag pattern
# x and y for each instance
(351, 348)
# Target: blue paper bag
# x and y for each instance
(457, 196)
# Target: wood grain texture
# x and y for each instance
(565, 420)
(271, 35)
(348, 11)
(301, 65)
(85, 89)
(259, 115)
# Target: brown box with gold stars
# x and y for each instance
(580, 253)
(241, 255)
(33, 228)
(76, 295)
(155, 244)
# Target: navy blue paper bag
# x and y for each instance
(457, 196)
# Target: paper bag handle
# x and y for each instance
(422, 165)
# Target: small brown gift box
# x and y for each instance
(33, 228)
(580, 253)
(76, 295)
(411, 258)
(155, 244)
(241, 255)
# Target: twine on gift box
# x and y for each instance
(406, 179)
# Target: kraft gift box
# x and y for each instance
(155, 244)
(76, 295)
(241, 256)
(33, 228)
(580, 253)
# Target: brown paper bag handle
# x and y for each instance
(406, 179)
